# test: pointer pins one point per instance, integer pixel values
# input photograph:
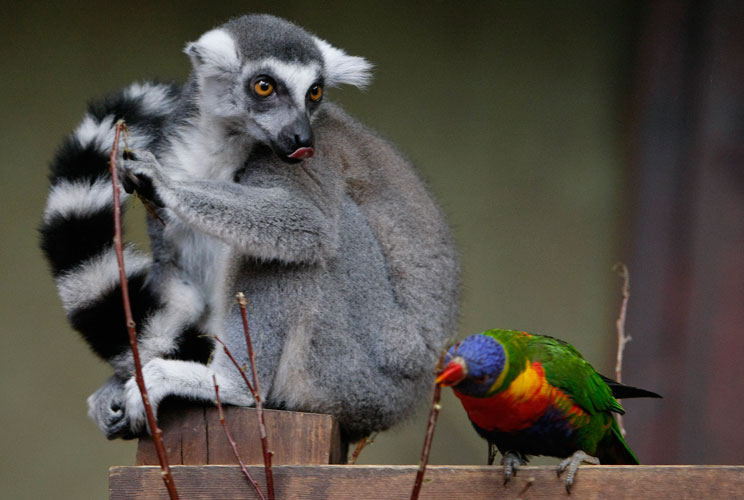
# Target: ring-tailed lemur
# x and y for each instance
(262, 187)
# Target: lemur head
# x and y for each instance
(263, 78)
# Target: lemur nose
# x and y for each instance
(303, 141)
(296, 140)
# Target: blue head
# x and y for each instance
(473, 365)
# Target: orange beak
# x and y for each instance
(452, 374)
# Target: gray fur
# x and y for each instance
(346, 261)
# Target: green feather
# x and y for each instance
(567, 369)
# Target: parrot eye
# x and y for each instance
(480, 380)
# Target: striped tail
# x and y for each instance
(77, 228)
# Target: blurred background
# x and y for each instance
(560, 138)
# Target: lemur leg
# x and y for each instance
(160, 334)
(187, 379)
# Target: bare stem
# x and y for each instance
(360, 446)
(237, 365)
(131, 327)
(232, 441)
(242, 302)
(622, 338)
(433, 414)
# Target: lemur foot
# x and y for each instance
(511, 461)
(106, 409)
(156, 381)
(572, 464)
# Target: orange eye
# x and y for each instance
(263, 87)
(315, 93)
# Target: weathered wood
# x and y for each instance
(193, 435)
(349, 482)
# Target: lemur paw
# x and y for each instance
(140, 171)
(134, 408)
(106, 409)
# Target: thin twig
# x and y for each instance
(433, 414)
(363, 443)
(232, 441)
(131, 327)
(622, 338)
(241, 369)
(242, 302)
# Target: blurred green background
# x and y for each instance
(514, 112)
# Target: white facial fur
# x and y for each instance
(298, 78)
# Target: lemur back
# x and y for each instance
(262, 187)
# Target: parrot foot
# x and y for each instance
(572, 464)
(511, 461)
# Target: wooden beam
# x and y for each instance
(193, 435)
(349, 482)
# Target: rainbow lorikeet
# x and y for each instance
(536, 395)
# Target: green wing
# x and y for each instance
(567, 369)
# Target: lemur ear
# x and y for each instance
(342, 68)
(214, 54)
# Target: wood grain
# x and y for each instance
(349, 482)
(193, 435)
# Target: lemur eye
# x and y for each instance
(315, 93)
(263, 86)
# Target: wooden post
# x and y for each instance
(193, 435)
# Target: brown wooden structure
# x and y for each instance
(306, 446)
(364, 482)
(193, 435)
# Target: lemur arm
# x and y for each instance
(275, 221)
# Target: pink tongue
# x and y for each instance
(302, 153)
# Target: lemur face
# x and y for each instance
(280, 99)
(264, 78)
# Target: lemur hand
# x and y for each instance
(140, 172)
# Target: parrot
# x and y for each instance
(529, 394)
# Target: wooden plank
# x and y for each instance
(193, 435)
(659, 482)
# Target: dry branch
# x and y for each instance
(433, 414)
(622, 338)
(237, 365)
(131, 327)
(360, 446)
(242, 302)
(232, 441)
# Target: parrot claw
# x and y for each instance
(572, 464)
(511, 461)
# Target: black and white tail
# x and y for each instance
(77, 228)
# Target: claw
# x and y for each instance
(511, 461)
(572, 464)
